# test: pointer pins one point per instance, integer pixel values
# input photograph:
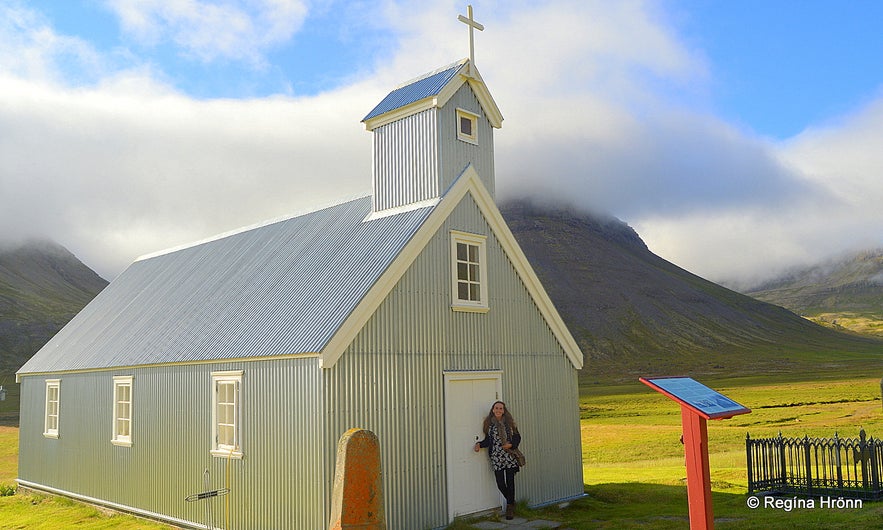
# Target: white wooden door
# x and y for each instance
(468, 398)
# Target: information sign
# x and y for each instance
(710, 404)
(698, 404)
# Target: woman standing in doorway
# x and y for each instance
(501, 435)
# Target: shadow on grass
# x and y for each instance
(9, 420)
(638, 505)
(9, 407)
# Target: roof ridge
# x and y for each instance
(439, 70)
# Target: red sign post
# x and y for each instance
(698, 404)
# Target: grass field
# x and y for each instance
(633, 462)
(864, 323)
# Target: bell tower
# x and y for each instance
(428, 130)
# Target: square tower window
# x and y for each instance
(469, 272)
(467, 126)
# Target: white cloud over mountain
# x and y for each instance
(605, 108)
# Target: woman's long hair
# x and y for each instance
(507, 419)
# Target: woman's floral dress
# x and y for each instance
(500, 458)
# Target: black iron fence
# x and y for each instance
(848, 467)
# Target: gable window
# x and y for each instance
(469, 272)
(227, 414)
(53, 401)
(467, 126)
(122, 411)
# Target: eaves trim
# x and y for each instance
(21, 375)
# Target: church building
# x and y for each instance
(235, 364)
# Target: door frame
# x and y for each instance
(462, 375)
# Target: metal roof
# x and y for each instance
(422, 87)
(279, 289)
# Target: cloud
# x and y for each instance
(605, 107)
(827, 203)
(33, 50)
(845, 157)
(120, 173)
(210, 31)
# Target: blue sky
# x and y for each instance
(777, 66)
(781, 66)
(738, 138)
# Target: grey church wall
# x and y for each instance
(277, 484)
(390, 380)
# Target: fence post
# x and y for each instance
(807, 463)
(875, 463)
(750, 466)
(864, 455)
(783, 473)
(837, 461)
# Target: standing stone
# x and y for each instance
(357, 498)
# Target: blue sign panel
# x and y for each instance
(694, 394)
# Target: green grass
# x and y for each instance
(659, 506)
(8, 455)
(37, 511)
(648, 425)
(649, 477)
(864, 323)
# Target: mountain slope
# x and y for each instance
(42, 286)
(847, 292)
(633, 313)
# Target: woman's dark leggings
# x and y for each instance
(506, 483)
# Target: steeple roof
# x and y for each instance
(433, 89)
(425, 86)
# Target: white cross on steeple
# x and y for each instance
(472, 24)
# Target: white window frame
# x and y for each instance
(457, 303)
(234, 449)
(473, 119)
(117, 436)
(51, 421)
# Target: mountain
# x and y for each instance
(634, 313)
(846, 292)
(42, 286)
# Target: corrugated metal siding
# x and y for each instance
(418, 157)
(417, 89)
(280, 482)
(456, 154)
(390, 380)
(405, 159)
(250, 294)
